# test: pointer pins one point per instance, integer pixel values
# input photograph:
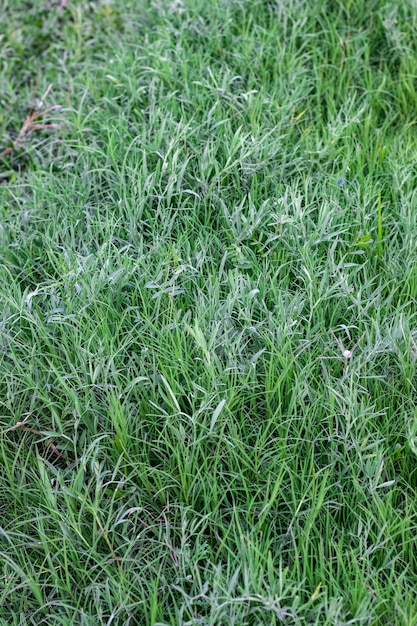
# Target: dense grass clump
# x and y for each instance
(208, 317)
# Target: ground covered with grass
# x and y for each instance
(208, 317)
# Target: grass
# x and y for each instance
(215, 197)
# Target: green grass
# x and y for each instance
(227, 193)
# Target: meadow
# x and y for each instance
(208, 318)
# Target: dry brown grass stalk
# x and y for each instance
(31, 124)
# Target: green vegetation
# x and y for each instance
(213, 203)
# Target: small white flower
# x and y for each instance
(347, 353)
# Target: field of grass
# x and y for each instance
(208, 318)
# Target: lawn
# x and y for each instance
(208, 320)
